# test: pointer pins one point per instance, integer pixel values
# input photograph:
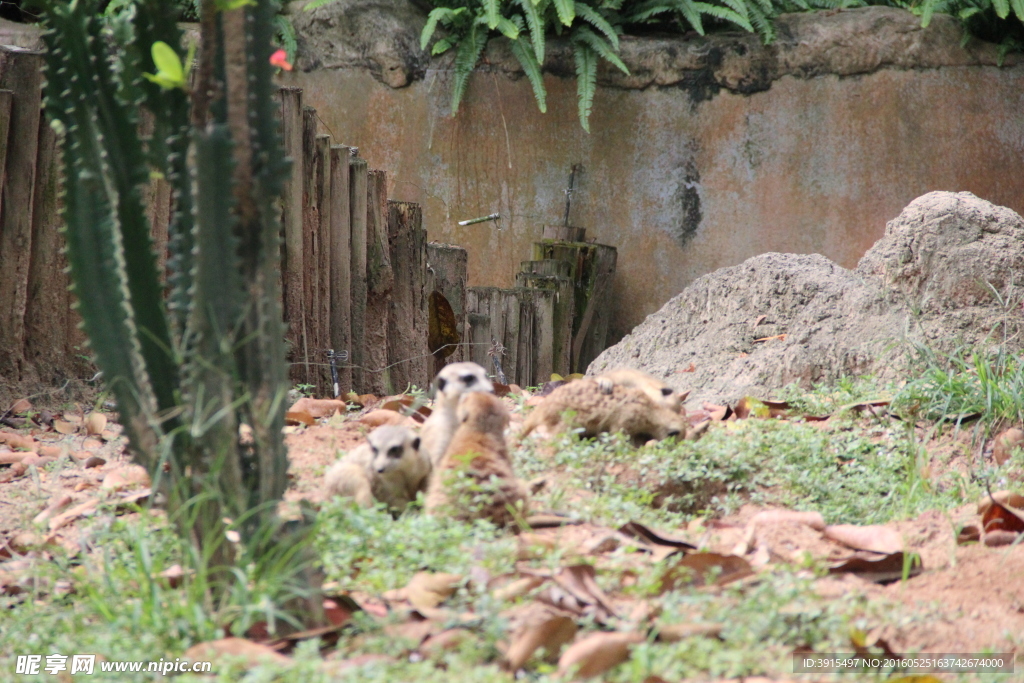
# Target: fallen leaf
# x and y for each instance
(318, 407)
(637, 530)
(501, 390)
(21, 441)
(172, 576)
(252, 653)
(1009, 498)
(449, 639)
(698, 568)
(34, 459)
(94, 461)
(969, 534)
(1005, 443)
(336, 612)
(748, 406)
(780, 337)
(596, 653)
(539, 626)
(13, 472)
(125, 477)
(876, 538)
(63, 427)
(517, 588)
(879, 568)
(297, 417)
(673, 633)
(548, 387)
(397, 403)
(385, 416)
(1000, 537)
(716, 412)
(50, 451)
(581, 582)
(427, 590)
(1000, 517)
(95, 423)
(68, 516)
(550, 521)
(11, 457)
(92, 444)
(690, 368)
(20, 407)
(52, 509)
(772, 517)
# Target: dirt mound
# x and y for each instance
(943, 274)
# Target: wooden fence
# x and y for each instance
(357, 271)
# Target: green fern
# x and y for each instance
(566, 10)
(528, 60)
(466, 57)
(284, 33)
(532, 14)
(586, 81)
(594, 18)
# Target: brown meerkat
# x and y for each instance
(475, 479)
(389, 467)
(624, 409)
(452, 382)
(658, 391)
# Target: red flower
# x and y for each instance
(280, 60)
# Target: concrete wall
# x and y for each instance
(700, 164)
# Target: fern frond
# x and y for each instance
(508, 28)
(645, 11)
(441, 46)
(466, 57)
(314, 4)
(762, 22)
(594, 18)
(566, 10)
(724, 13)
(1002, 8)
(285, 34)
(928, 7)
(599, 45)
(691, 13)
(586, 81)
(491, 12)
(1018, 9)
(435, 16)
(536, 26)
(524, 53)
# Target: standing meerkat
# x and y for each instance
(475, 479)
(658, 391)
(622, 409)
(452, 382)
(389, 467)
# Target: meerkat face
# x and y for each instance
(460, 378)
(389, 445)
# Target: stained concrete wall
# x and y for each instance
(712, 151)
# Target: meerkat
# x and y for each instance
(452, 382)
(475, 479)
(389, 467)
(658, 391)
(622, 409)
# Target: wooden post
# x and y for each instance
(322, 320)
(547, 267)
(341, 264)
(541, 335)
(447, 268)
(357, 204)
(407, 336)
(565, 233)
(562, 320)
(593, 266)
(312, 349)
(495, 314)
(292, 255)
(21, 73)
(380, 280)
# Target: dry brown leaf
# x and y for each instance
(82, 455)
(581, 582)
(50, 451)
(18, 441)
(698, 568)
(773, 517)
(1008, 498)
(252, 653)
(63, 427)
(20, 407)
(644, 533)
(319, 407)
(299, 417)
(879, 568)
(550, 521)
(172, 575)
(1000, 537)
(94, 461)
(11, 457)
(386, 416)
(95, 423)
(126, 476)
(428, 590)
(969, 534)
(1000, 517)
(448, 639)
(1005, 443)
(540, 626)
(596, 653)
(876, 538)
(92, 444)
(673, 633)
(413, 632)
(34, 459)
(52, 509)
(13, 472)
(518, 588)
(68, 516)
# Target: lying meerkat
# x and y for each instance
(659, 392)
(474, 479)
(622, 409)
(452, 382)
(389, 467)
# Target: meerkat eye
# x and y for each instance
(416, 444)
(666, 391)
(395, 452)
(441, 381)
(468, 380)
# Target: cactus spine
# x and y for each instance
(188, 372)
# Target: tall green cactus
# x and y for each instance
(187, 373)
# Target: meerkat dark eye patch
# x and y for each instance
(416, 444)
(666, 391)
(441, 381)
(395, 452)
(468, 380)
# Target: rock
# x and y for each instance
(380, 35)
(775, 319)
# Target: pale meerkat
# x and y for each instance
(389, 467)
(475, 478)
(659, 392)
(452, 382)
(622, 409)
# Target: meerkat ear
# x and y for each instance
(416, 444)
(666, 391)
(441, 381)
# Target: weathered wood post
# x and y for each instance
(322, 319)
(447, 268)
(380, 280)
(357, 204)
(293, 259)
(312, 346)
(341, 263)
(407, 337)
